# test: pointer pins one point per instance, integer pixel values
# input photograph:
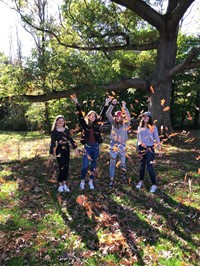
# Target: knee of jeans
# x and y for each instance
(112, 160)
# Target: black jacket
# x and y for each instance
(96, 125)
(61, 138)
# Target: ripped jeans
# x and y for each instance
(117, 150)
(90, 155)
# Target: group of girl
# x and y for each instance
(91, 138)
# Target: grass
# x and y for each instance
(119, 226)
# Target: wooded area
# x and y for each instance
(132, 50)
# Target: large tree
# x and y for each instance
(103, 26)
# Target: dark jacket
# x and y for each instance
(96, 125)
(61, 138)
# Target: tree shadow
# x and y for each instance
(121, 213)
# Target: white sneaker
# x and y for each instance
(65, 188)
(153, 189)
(60, 189)
(139, 185)
(82, 185)
(91, 184)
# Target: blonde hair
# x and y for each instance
(56, 120)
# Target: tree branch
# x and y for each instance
(123, 84)
(188, 63)
(144, 11)
(178, 12)
(127, 47)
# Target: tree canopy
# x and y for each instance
(105, 46)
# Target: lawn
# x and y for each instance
(118, 226)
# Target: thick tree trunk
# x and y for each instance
(159, 101)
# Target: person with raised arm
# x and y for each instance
(91, 138)
(120, 122)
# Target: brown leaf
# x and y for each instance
(166, 109)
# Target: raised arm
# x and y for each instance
(104, 109)
(109, 111)
(126, 112)
(78, 108)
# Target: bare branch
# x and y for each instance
(144, 11)
(188, 63)
(126, 84)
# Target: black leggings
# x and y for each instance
(63, 155)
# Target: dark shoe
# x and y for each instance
(124, 177)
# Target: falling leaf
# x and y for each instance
(162, 102)
(118, 163)
(81, 200)
(113, 93)
(189, 140)
(137, 101)
(59, 200)
(151, 127)
(166, 109)
(152, 89)
(92, 102)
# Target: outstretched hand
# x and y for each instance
(74, 98)
(123, 104)
(108, 100)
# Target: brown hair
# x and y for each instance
(87, 117)
(150, 122)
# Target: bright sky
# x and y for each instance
(10, 24)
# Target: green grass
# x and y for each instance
(119, 226)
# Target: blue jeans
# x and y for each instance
(117, 150)
(90, 155)
(147, 156)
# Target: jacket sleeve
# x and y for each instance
(80, 116)
(109, 114)
(102, 114)
(53, 142)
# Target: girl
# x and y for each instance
(91, 138)
(147, 140)
(120, 125)
(60, 137)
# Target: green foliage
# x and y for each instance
(13, 116)
(186, 87)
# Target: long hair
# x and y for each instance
(55, 121)
(118, 124)
(88, 120)
(150, 122)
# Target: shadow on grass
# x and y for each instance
(121, 221)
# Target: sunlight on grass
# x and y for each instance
(122, 226)
(8, 189)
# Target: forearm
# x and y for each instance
(109, 113)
